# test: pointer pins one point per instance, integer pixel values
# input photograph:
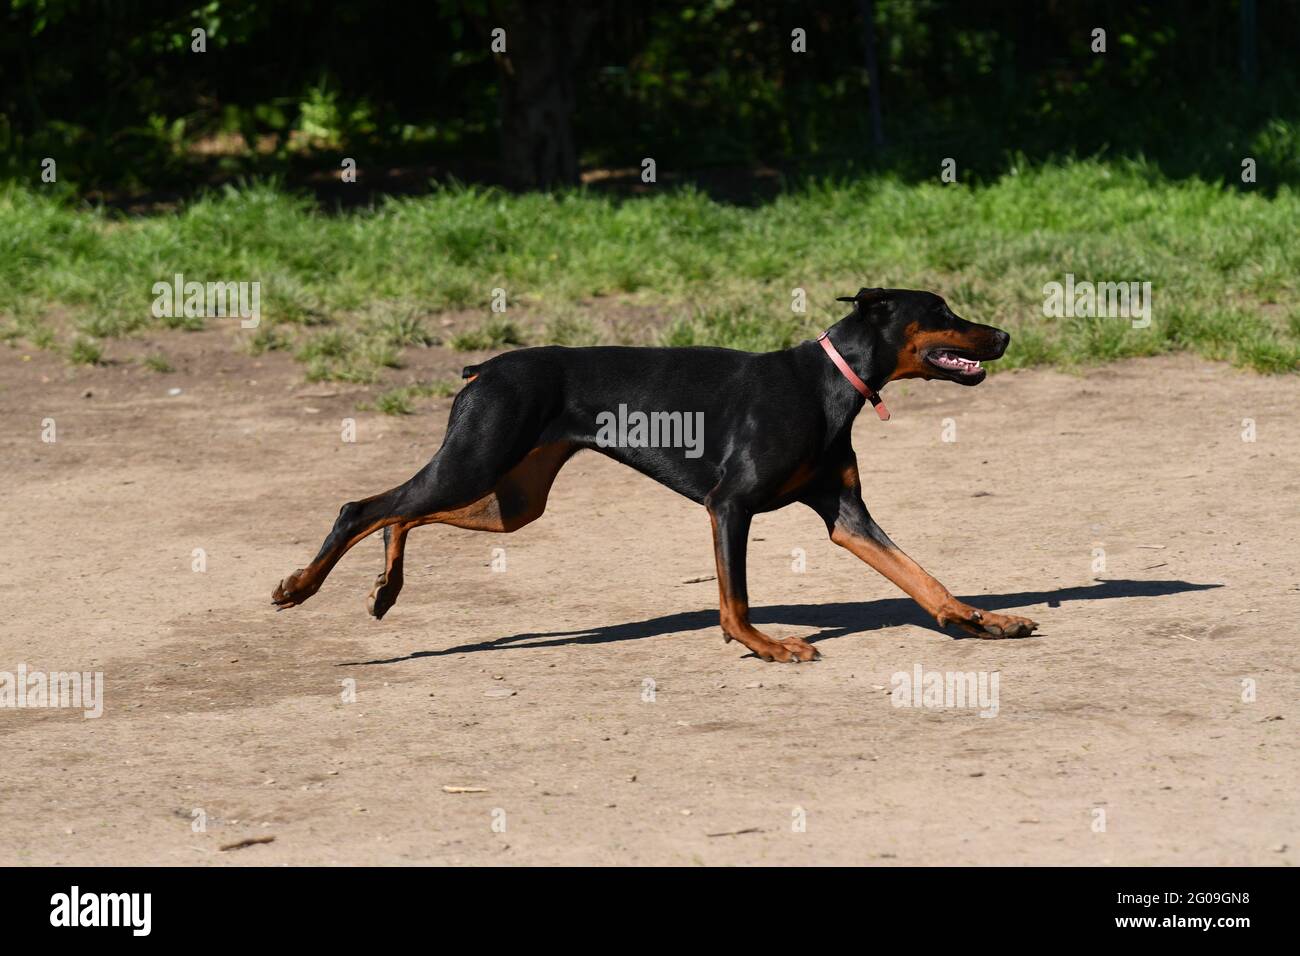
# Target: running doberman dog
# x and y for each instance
(776, 430)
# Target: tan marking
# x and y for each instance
(899, 568)
(396, 546)
(310, 578)
(371, 529)
(734, 615)
(798, 478)
(518, 498)
(910, 364)
(936, 599)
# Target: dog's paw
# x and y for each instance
(991, 626)
(383, 595)
(790, 650)
(292, 591)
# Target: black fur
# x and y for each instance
(776, 428)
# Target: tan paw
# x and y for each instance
(383, 595)
(988, 624)
(292, 590)
(791, 650)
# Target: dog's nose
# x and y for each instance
(1004, 339)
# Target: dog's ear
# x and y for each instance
(865, 298)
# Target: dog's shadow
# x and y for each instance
(835, 620)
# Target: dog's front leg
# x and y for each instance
(730, 539)
(852, 527)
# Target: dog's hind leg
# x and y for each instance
(484, 476)
(356, 520)
(518, 498)
(389, 584)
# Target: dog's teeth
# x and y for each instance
(950, 360)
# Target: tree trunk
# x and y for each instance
(868, 10)
(1249, 45)
(544, 39)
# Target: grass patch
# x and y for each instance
(401, 329)
(573, 331)
(267, 338)
(85, 352)
(355, 289)
(495, 333)
(400, 401)
(738, 327)
(158, 363)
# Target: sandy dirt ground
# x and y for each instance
(584, 696)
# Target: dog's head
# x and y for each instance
(915, 335)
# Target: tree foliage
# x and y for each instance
(116, 92)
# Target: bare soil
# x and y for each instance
(583, 695)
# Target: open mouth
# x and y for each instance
(958, 364)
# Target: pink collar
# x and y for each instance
(870, 393)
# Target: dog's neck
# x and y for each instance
(860, 350)
(842, 402)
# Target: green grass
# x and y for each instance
(158, 363)
(572, 330)
(495, 333)
(267, 338)
(349, 293)
(85, 352)
(738, 326)
(399, 401)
